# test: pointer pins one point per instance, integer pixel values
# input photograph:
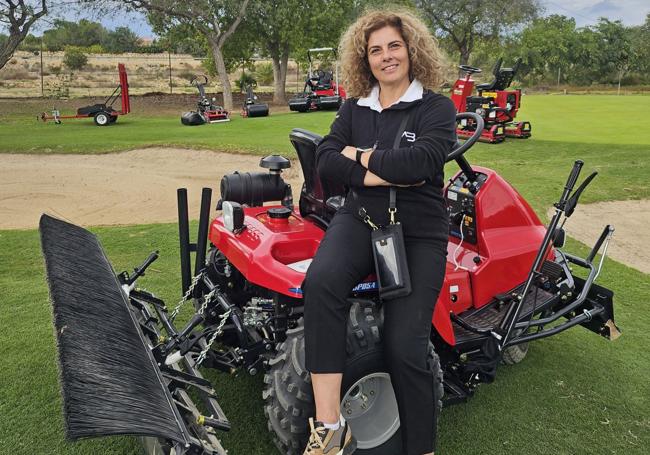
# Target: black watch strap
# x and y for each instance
(359, 153)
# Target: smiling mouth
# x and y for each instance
(390, 67)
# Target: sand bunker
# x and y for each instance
(140, 187)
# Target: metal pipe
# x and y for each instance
(184, 239)
(512, 315)
(557, 329)
(202, 239)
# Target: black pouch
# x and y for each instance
(389, 254)
(390, 261)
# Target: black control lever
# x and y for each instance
(139, 271)
(573, 200)
(573, 177)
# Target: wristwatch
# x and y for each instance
(359, 153)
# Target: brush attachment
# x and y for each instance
(110, 382)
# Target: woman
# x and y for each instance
(390, 62)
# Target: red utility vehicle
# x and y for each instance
(494, 103)
(508, 282)
(103, 114)
(322, 89)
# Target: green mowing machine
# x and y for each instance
(128, 367)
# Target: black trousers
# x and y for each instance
(343, 259)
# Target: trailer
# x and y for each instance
(103, 114)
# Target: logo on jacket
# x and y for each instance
(409, 136)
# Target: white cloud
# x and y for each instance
(587, 12)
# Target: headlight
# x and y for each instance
(233, 216)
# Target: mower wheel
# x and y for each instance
(514, 354)
(102, 118)
(368, 400)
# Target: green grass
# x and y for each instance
(587, 119)
(576, 393)
(255, 135)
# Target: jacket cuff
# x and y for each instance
(374, 162)
(357, 175)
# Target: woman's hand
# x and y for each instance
(350, 152)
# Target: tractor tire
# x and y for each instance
(102, 118)
(289, 397)
(514, 354)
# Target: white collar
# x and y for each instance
(413, 93)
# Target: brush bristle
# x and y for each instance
(109, 381)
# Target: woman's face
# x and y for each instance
(388, 56)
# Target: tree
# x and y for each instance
(615, 51)
(18, 16)
(463, 22)
(216, 20)
(548, 46)
(120, 40)
(84, 33)
(640, 44)
(74, 58)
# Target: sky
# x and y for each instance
(585, 12)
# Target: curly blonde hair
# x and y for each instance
(424, 54)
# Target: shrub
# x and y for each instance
(95, 49)
(264, 73)
(74, 58)
(244, 80)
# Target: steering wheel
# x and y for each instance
(199, 79)
(470, 69)
(459, 149)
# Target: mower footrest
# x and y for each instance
(491, 315)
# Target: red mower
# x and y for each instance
(494, 103)
(206, 111)
(322, 90)
(127, 369)
(103, 114)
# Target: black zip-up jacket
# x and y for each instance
(429, 135)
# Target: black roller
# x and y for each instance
(329, 102)
(257, 110)
(299, 104)
(252, 188)
(192, 118)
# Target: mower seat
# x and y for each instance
(502, 77)
(92, 110)
(317, 197)
(325, 81)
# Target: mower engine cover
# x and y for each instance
(192, 118)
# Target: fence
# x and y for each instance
(29, 75)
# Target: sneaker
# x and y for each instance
(330, 442)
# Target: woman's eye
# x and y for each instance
(374, 51)
(395, 45)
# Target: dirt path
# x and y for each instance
(140, 187)
(631, 221)
(125, 188)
